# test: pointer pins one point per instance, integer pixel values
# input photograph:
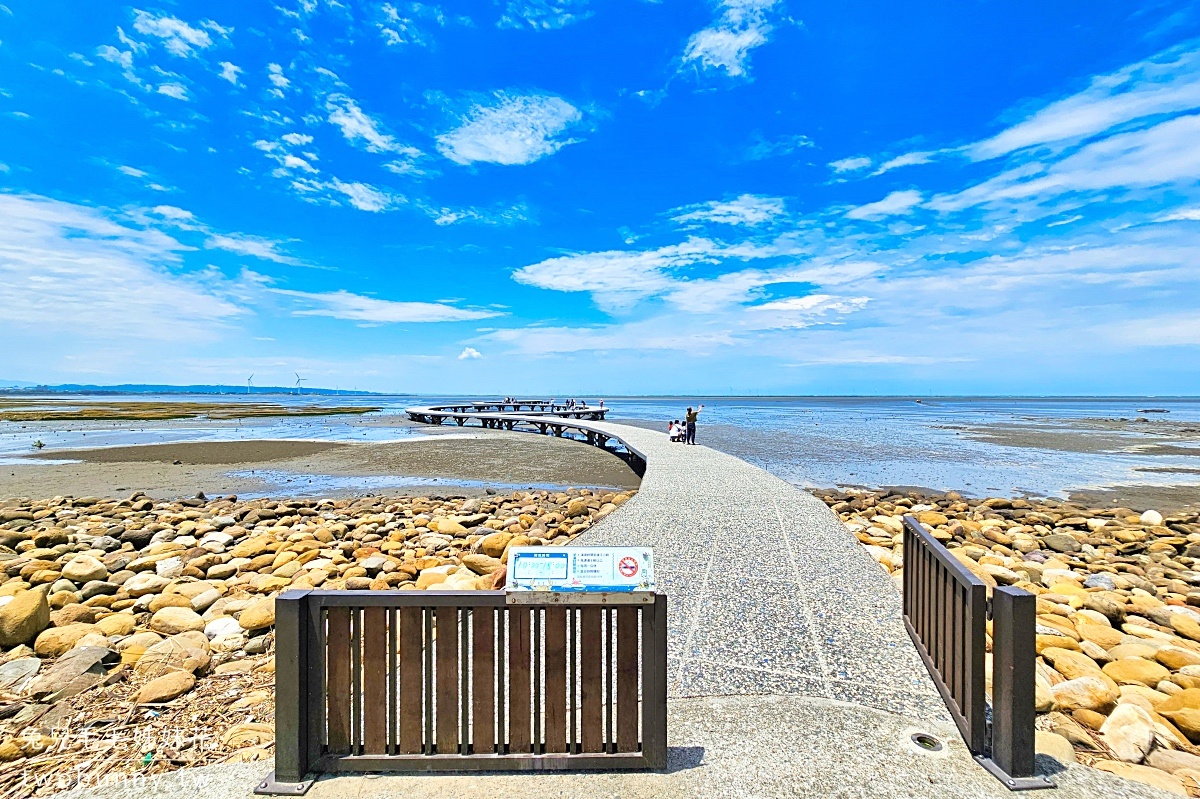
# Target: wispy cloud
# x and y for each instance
(356, 127)
(726, 44)
(244, 244)
(543, 14)
(72, 271)
(230, 72)
(896, 203)
(761, 148)
(907, 159)
(852, 164)
(511, 129)
(1168, 83)
(178, 37)
(343, 304)
(619, 279)
(748, 209)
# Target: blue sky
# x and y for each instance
(578, 196)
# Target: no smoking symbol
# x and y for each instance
(628, 567)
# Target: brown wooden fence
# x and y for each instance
(946, 609)
(460, 680)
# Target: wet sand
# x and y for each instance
(485, 456)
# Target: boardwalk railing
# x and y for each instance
(460, 680)
(563, 424)
(946, 609)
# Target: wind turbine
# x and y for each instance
(249, 383)
(298, 381)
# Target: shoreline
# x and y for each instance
(263, 467)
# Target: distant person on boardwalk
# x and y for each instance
(675, 430)
(690, 435)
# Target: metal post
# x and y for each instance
(291, 698)
(1013, 653)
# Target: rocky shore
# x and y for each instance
(1118, 616)
(137, 635)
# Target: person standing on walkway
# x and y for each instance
(690, 420)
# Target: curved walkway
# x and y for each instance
(767, 591)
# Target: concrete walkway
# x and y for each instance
(790, 671)
(767, 591)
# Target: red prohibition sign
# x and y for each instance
(628, 567)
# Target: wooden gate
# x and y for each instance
(460, 680)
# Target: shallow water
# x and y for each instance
(935, 442)
(968, 444)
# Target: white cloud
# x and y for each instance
(178, 37)
(1167, 153)
(276, 76)
(515, 129)
(543, 14)
(365, 197)
(748, 209)
(396, 29)
(907, 159)
(244, 244)
(1165, 84)
(133, 172)
(230, 72)
(852, 164)
(799, 312)
(896, 203)
(297, 139)
(742, 26)
(356, 125)
(176, 90)
(469, 353)
(618, 279)
(69, 271)
(343, 304)
(1183, 215)
(122, 58)
(173, 213)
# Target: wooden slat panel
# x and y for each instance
(519, 700)
(375, 681)
(556, 680)
(483, 679)
(627, 679)
(591, 677)
(338, 679)
(410, 645)
(447, 681)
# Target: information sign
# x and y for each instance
(580, 569)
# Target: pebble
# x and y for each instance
(170, 594)
(1118, 624)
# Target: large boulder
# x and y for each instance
(1083, 693)
(1183, 710)
(1136, 671)
(175, 620)
(56, 641)
(258, 616)
(1143, 774)
(177, 653)
(24, 617)
(1129, 733)
(83, 569)
(166, 687)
